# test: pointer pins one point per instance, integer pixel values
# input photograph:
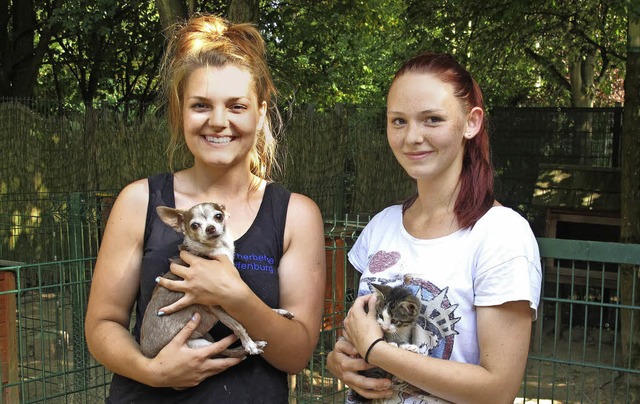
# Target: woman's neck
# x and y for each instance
(201, 184)
(432, 214)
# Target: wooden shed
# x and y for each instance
(580, 202)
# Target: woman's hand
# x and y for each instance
(179, 366)
(346, 359)
(345, 363)
(361, 327)
(210, 282)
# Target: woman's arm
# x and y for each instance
(114, 288)
(290, 342)
(503, 335)
(302, 282)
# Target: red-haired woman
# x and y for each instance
(473, 263)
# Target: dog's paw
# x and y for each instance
(284, 313)
(238, 352)
(255, 347)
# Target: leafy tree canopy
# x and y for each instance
(538, 52)
(327, 52)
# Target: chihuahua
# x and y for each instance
(205, 235)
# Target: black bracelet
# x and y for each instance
(366, 356)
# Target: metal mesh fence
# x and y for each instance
(522, 139)
(47, 360)
(577, 353)
(582, 350)
(315, 383)
(340, 158)
(48, 227)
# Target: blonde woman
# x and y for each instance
(220, 102)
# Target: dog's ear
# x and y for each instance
(223, 209)
(172, 217)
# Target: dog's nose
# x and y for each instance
(211, 230)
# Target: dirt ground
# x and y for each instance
(578, 367)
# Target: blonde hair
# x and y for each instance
(208, 40)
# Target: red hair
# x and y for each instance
(476, 194)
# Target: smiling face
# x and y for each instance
(427, 126)
(221, 115)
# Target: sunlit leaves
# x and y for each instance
(522, 51)
(328, 52)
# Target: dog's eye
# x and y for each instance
(218, 216)
(195, 226)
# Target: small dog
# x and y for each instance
(205, 235)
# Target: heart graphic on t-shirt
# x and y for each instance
(383, 260)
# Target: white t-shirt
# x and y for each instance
(494, 262)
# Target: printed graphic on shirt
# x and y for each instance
(383, 260)
(253, 262)
(435, 331)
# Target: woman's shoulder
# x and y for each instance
(391, 213)
(303, 224)
(299, 205)
(302, 212)
(503, 229)
(127, 216)
(383, 222)
(502, 216)
(133, 198)
(141, 186)
(302, 203)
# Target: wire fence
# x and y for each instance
(577, 353)
(340, 158)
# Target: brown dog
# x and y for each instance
(205, 235)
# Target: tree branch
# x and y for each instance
(548, 66)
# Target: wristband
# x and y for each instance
(366, 356)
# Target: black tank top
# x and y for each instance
(257, 256)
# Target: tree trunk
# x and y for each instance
(171, 11)
(581, 75)
(24, 29)
(630, 193)
(23, 43)
(244, 11)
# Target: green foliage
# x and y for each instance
(344, 52)
(522, 52)
(106, 52)
(334, 52)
